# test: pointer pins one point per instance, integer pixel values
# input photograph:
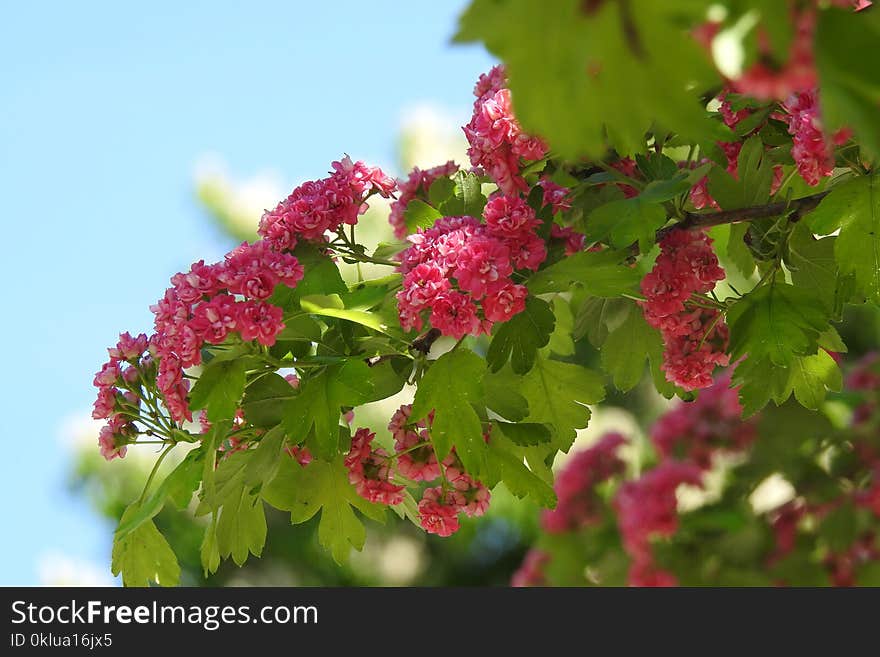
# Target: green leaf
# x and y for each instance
(524, 434)
(264, 400)
(557, 394)
(628, 347)
(419, 214)
(179, 486)
(561, 342)
(597, 316)
(753, 182)
(263, 465)
(627, 221)
(440, 191)
(240, 527)
(219, 389)
(812, 264)
(143, 555)
(506, 463)
(501, 394)
(777, 321)
(467, 198)
(332, 306)
(300, 328)
(450, 387)
(208, 551)
(847, 47)
(812, 376)
(737, 250)
(317, 408)
(520, 338)
(323, 486)
(593, 61)
(853, 207)
(599, 272)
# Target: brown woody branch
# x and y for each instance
(796, 207)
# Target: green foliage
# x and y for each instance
(847, 47)
(595, 63)
(450, 388)
(323, 486)
(313, 414)
(143, 555)
(601, 273)
(853, 207)
(557, 395)
(626, 349)
(219, 388)
(520, 338)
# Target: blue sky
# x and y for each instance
(104, 110)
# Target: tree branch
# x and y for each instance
(798, 207)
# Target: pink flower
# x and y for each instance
(108, 375)
(578, 502)
(369, 470)
(646, 508)
(128, 348)
(531, 571)
(484, 262)
(527, 252)
(509, 216)
(437, 514)
(111, 442)
(695, 339)
(468, 495)
(699, 429)
(496, 140)
(300, 454)
(454, 314)
(213, 319)
(556, 196)
(811, 149)
(574, 241)
(504, 301)
(105, 404)
(259, 321)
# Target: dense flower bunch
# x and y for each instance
(647, 508)
(211, 301)
(811, 149)
(460, 269)
(497, 143)
(120, 391)
(318, 206)
(578, 502)
(415, 186)
(458, 493)
(208, 303)
(695, 336)
(369, 470)
(695, 431)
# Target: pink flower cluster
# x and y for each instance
(695, 338)
(460, 261)
(208, 303)
(369, 470)
(531, 571)
(578, 502)
(416, 185)
(496, 140)
(440, 506)
(317, 206)
(647, 508)
(811, 149)
(119, 387)
(695, 431)
(769, 80)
